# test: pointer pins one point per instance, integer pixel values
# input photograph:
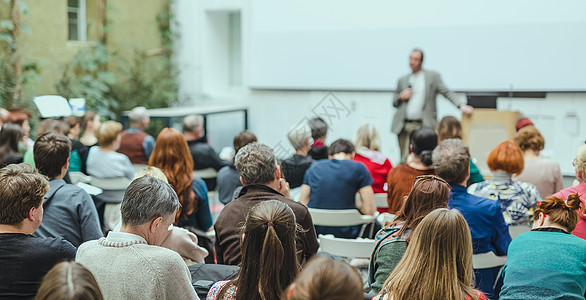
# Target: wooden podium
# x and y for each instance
(484, 130)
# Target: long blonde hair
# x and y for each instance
(367, 136)
(438, 261)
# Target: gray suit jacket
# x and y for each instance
(433, 86)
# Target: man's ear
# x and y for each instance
(33, 213)
(66, 166)
(242, 181)
(278, 173)
(155, 223)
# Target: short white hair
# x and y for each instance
(192, 122)
(299, 135)
(138, 114)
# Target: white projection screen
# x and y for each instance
(499, 45)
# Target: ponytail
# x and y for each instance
(271, 261)
(560, 211)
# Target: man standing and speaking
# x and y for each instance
(415, 100)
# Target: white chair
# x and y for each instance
(76, 177)
(379, 198)
(139, 167)
(112, 195)
(515, 230)
(357, 248)
(488, 260)
(383, 218)
(207, 173)
(340, 217)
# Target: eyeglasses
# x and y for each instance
(421, 177)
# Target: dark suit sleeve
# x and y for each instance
(501, 238)
(218, 248)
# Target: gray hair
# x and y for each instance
(147, 198)
(367, 136)
(299, 135)
(256, 163)
(192, 122)
(138, 114)
(451, 160)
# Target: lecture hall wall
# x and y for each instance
(214, 53)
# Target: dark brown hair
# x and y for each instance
(561, 212)
(326, 278)
(52, 125)
(242, 139)
(269, 256)
(449, 128)
(51, 152)
(529, 138)
(429, 192)
(10, 135)
(22, 187)
(69, 280)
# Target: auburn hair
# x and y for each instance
(562, 212)
(529, 138)
(508, 157)
(171, 154)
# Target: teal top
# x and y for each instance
(545, 265)
(475, 175)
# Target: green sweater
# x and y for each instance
(545, 265)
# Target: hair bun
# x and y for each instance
(574, 202)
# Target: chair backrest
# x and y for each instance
(384, 218)
(338, 217)
(358, 248)
(515, 230)
(381, 200)
(488, 260)
(139, 167)
(78, 177)
(113, 188)
(207, 173)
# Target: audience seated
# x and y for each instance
(46, 126)
(429, 193)
(69, 212)
(401, 178)
(367, 143)
(103, 161)
(90, 125)
(319, 130)
(548, 262)
(134, 142)
(437, 263)
(294, 167)
(490, 233)
(261, 177)
(544, 173)
(130, 264)
(78, 159)
(333, 184)
(326, 278)
(69, 281)
(171, 155)
(228, 179)
(21, 116)
(517, 199)
(450, 128)
(269, 259)
(24, 258)
(10, 136)
(580, 189)
(202, 153)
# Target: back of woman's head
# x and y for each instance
(269, 254)
(438, 261)
(10, 135)
(529, 138)
(171, 154)
(69, 281)
(367, 136)
(562, 212)
(508, 157)
(429, 192)
(326, 278)
(53, 125)
(449, 128)
(423, 141)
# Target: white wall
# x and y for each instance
(273, 112)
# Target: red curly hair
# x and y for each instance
(508, 157)
(171, 155)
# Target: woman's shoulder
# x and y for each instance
(215, 290)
